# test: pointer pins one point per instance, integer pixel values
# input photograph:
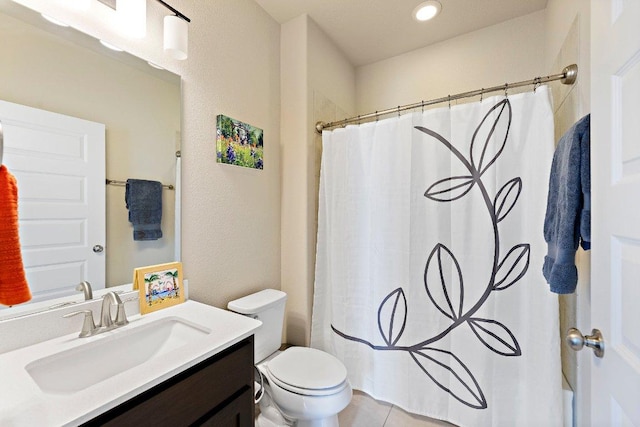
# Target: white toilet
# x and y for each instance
(303, 386)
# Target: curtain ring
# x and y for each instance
(506, 86)
(377, 116)
(358, 120)
(481, 94)
(422, 106)
(398, 111)
(449, 96)
(536, 83)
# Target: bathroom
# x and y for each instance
(246, 230)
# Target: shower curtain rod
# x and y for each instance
(568, 76)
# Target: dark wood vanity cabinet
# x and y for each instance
(216, 392)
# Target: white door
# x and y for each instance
(59, 163)
(615, 159)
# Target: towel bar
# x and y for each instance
(123, 183)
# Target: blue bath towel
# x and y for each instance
(144, 201)
(568, 219)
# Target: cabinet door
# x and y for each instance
(238, 413)
(194, 395)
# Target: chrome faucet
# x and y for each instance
(89, 328)
(85, 287)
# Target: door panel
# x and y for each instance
(59, 163)
(615, 154)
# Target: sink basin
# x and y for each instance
(111, 353)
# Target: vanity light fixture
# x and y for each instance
(156, 66)
(110, 46)
(54, 20)
(176, 33)
(176, 37)
(176, 28)
(80, 4)
(427, 10)
(133, 17)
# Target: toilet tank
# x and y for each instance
(268, 307)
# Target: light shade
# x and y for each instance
(80, 4)
(176, 37)
(427, 10)
(133, 17)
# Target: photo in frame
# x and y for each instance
(160, 286)
(239, 143)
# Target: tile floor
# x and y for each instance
(364, 411)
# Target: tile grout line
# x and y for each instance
(388, 415)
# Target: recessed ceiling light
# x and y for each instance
(54, 20)
(427, 10)
(110, 46)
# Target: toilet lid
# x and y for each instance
(307, 368)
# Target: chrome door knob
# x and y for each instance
(577, 341)
(98, 248)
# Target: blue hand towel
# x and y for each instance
(585, 181)
(568, 217)
(144, 201)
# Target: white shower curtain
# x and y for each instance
(430, 249)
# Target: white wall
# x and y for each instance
(295, 153)
(507, 52)
(231, 215)
(318, 83)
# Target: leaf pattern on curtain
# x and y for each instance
(443, 275)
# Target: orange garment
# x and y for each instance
(13, 283)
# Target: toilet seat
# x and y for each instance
(307, 371)
(306, 391)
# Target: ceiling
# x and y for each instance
(371, 30)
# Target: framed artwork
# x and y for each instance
(239, 143)
(160, 286)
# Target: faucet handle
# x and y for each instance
(88, 326)
(121, 316)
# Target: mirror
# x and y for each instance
(64, 71)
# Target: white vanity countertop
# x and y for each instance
(22, 403)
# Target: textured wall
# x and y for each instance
(231, 215)
(316, 79)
